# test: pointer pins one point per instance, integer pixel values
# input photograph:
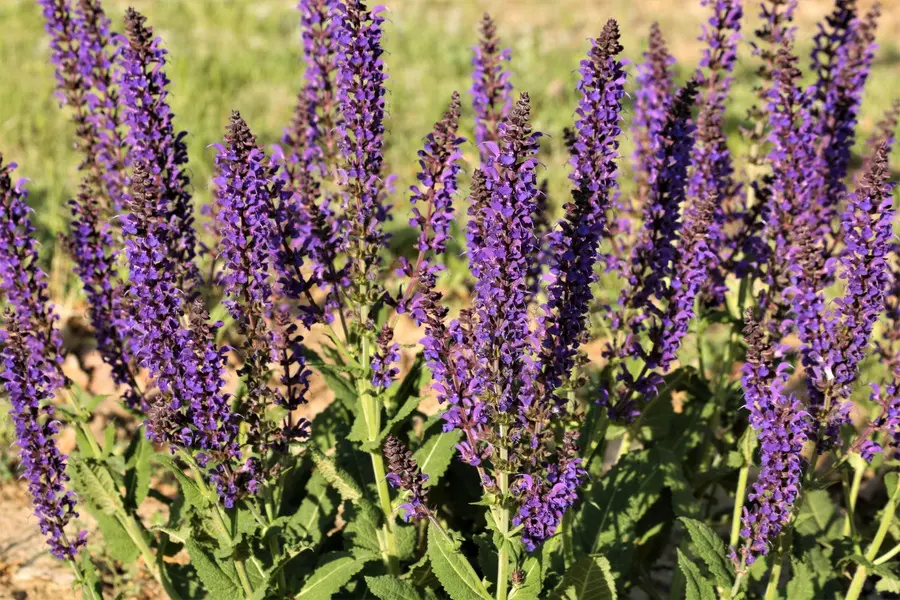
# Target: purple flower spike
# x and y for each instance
(491, 89)
(713, 170)
(654, 91)
(781, 426)
(439, 169)
(152, 137)
(573, 249)
(404, 474)
(361, 92)
(839, 90)
(31, 374)
(191, 411)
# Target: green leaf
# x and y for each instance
(801, 586)
(531, 583)
(684, 503)
(435, 455)
(697, 587)
(608, 519)
(711, 549)
(315, 510)
(344, 391)
(339, 479)
(193, 496)
(590, 578)
(95, 484)
(412, 402)
(137, 470)
(117, 543)
(363, 523)
(336, 571)
(388, 587)
(219, 583)
(818, 516)
(452, 568)
(890, 585)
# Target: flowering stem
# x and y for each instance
(503, 524)
(859, 470)
(887, 518)
(887, 555)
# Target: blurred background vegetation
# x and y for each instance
(245, 55)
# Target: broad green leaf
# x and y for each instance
(818, 516)
(531, 582)
(116, 541)
(696, 586)
(388, 587)
(435, 455)
(608, 518)
(336, 571)
(890, 585)
(339, 479)
(709, 548)
(315, 510)
(363, 523)
(684, 503)
(590, 578)
(802, 583)
(453, 570)
(344, 391)
(219, 583)
(96, 485)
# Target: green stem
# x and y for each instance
(887, 555)
(775, 573)
(852, 494)
(741, 490)
(887, 518)
(79, 579)
(503, 525)
(220, 515)
(275, 546)
(372, 415)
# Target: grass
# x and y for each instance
(245, 55)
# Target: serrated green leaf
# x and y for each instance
(116, 541)
(218, 582)
(590, 578)
(697, 587)
(531, 582)
(436, 453)
(684, 503)
(711, 550)
(818, 516)
(801, 586)
(336, 571)
(453, 570)
(344, 391)
(607, 520)
(315, 510)
(890, 585)
(388, 587)
(363, 523)
(339, 479)
(95, 484)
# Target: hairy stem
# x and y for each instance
(503, 525)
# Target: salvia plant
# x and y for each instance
(688, 387)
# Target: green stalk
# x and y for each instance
(503, 525)
(887, 518)
(79, 579)
(372, 415)
(775, 573)
(220, 515)
(275, 546)
(852, 494)
(135, 529)
(741, 491)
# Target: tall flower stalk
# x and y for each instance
(491, 88)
